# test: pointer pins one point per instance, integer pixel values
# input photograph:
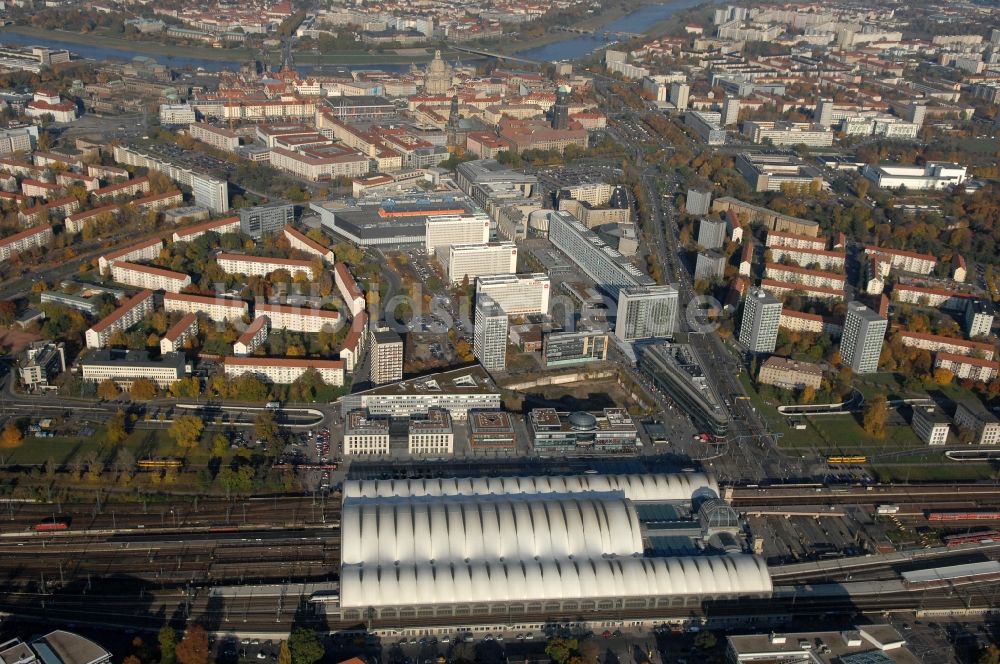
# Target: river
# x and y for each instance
(638, 21)
(571, 48)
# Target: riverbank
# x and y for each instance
(169, 52)
(99, 39)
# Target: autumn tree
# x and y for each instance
(115, 429)
(942, 376)
(107, 389)
(186, 430)
(876, 415)
(143, 389)
(265, 427)
(284, 654)
(11, 436)
(193, 648)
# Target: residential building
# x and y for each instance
(491, 430)
(282, 371)
(711, 233)
(218, 309)
(773, 221)
(824, 260)
(355, 342)
(965, 367)
(789, 374)
(761, 319)
(18, 139)
(252, 338)
(458, 391)
(75, 222)
(158, 202)
(972, 416)
(490, 334)
(862, 338)
(183, 330)
(777, 238)
(474, 260)
(798, 321)
(698, 202)
(978, 318)
(41, 362)
(516, 294)
(220, 226)
(610, 430)
(385, 356)
(647, 312)
(125, 367)
(38, 236)
(907, 261)
(128, 314)
(930, 425)
(301, 242)
(348, 289)
(679, 95)
(801, 275)
(258, 266)
(144, 251)
(297, 318)
(707, 125)
(268, 219)
(431, 433)
(938, 343)
(127, 189)
(561, 349)
(218, 137)
(609, 269)
(447, 230)
(709, 265)
(208, 191)
(365, 435)
(147, 276)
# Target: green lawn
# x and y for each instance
(144, 443)
(828, 434)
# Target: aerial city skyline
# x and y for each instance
(499, 332)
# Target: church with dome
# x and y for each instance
(437, 79)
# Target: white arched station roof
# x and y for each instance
(525, 527)
(418, 584)
(658, 487)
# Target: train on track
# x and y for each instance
(964, 515)
(53, 523)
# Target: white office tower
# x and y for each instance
(474, 260)
(679, 94)
(697, 202)
(761, 317)
(517, 294)
(447, 229)
(824, 113)
(711, 233)
(490, 334)
(916, 112)
(730, 111)
(646, 312)
(862, 338)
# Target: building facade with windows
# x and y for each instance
(283, 371)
